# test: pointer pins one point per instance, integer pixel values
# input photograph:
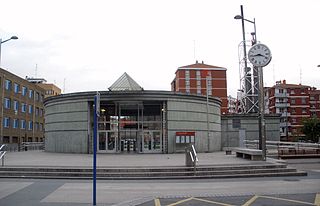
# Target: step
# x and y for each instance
(148, 169)
(284, 174)
(146, 174)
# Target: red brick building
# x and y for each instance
(294, 102)
(315, 102)
(200, 78)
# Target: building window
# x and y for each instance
(37, 111)
(40, 126)
(41, 98)
(7, 103)
(15, 105)
(187, 73)
(294, 120)
(37, 96)
(293, 101)
(30, 109)
(8, 84)
(30, 125)
(23, 124)
(304, 110)
(37, 126)
(16, 88)
(198, 73)
(41, 113)
(30, 93)
(6, 122)
(236, 123)
(280, 90)
(293, 110)
(23, 107)
(292, 91)
(15, 123)
(303, 101)
(24, 91)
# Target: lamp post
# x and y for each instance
(250, 101)
(1, 42)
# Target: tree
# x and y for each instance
(311, 128)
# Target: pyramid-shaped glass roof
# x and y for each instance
(125, 83)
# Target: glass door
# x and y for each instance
(111, 141)
(107, 141)
(151, 141)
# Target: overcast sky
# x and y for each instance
(91, 43)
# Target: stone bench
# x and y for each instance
(252, 154)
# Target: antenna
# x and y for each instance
(64, 85)
(194, 50)
(36, 71)
(274, 76)
(300, 74)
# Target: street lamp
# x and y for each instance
(1, 42)
(254, 34)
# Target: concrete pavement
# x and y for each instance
(32, 192)
(41, 158)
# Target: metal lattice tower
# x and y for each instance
(248, 93)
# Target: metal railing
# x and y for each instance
(2, 153)
(191, 157)
(289, 148)
(25, 146)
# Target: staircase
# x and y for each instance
(141, 173)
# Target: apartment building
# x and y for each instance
(22, 111)
(202, 79)
(294, 102)
(315, 102)
(50, 89)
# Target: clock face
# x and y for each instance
(259, 55)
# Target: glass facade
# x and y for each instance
(130, 127)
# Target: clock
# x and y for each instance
(259, 55)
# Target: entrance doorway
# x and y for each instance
(151, 141)
(107, 141)
(130, 127)
(128, 141)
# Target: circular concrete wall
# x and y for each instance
(69, 117)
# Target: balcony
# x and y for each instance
(285, 124)
(281, 95)
(282, 104)
(285, 114)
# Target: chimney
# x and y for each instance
(196, 61)
(284, 81)
(202, 62)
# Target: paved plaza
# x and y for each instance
(240, 191)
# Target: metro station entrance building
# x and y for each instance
(131, 127)
(132, 120)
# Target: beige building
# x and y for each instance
(50, 89)
(22, 111)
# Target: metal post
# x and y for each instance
(244, 38)
(0, 51)
(95, 152)
(208, 125)
(262, 126)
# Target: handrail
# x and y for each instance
(24, 146)
(2, 153)
(194, 153)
